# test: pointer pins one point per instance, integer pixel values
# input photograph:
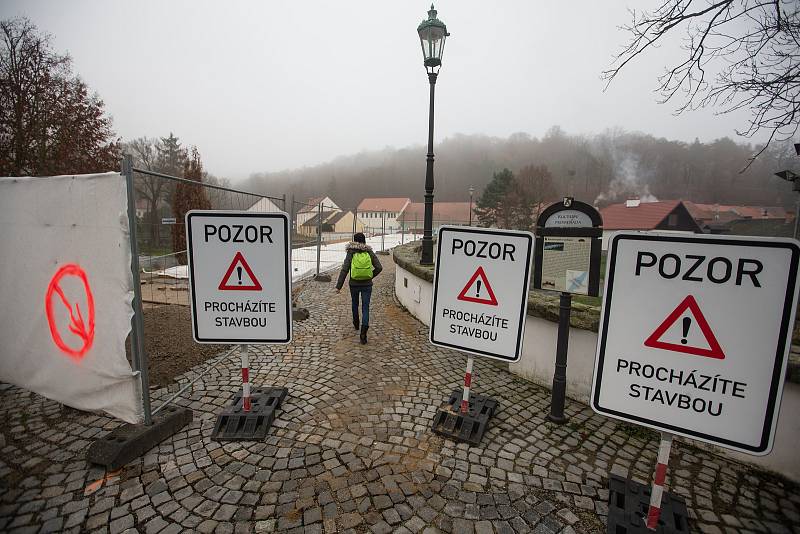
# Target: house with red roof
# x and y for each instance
(665, 216)
(379, 213)
(724, 214)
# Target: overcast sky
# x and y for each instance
(267, 85)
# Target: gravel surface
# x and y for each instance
(170, 348)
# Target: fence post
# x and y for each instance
(383, 228)
(355, 218)
(319, 235)
(292, 226)
(139, 356)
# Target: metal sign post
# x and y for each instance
(240, 279)
(654, 512)
(245, 378)
(319, 236)
(706, 357)
(480, 296)
(567, 260)
(467, 382)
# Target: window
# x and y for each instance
(672, 220)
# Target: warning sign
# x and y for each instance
(472, 291)
(679, 325)
(239, 266)
(480, 291)
(695, 335)
(239, 276)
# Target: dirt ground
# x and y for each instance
(170, 348)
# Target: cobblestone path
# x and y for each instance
(352, 451)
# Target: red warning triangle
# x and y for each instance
(491, 300)
(236, 285)
(715, 350)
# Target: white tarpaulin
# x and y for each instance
(66, 290)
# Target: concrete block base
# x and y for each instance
(128, 442)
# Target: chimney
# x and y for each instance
(632, 203)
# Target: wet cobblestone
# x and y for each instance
(352, 451)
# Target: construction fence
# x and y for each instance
(319, 236)
(161, 202)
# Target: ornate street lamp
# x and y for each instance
(432, 34)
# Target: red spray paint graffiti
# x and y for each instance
(80, 327)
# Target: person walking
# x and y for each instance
(362, 265)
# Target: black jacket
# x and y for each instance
(353, 247)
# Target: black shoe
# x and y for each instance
(355, 323)
(364, 334)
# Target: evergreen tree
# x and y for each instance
(532, 187)
(491, 208)
(171, 156)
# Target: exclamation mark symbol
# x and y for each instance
(478, 294)
(687, 322)
(239, 274)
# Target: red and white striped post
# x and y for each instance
(654, 512)
(467, 382)
(245, 378)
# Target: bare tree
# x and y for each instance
(145, 153)
(741, 54)
(221, 200)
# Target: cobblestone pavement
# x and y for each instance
(352, 451)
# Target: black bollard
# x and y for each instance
(559, 391)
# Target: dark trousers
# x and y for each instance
(366, 294)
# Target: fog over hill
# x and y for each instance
(602, 168)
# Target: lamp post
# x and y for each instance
(432, 33)
(790, 176)
(471, 191)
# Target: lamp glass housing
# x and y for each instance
(432, 34)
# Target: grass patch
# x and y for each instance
(640, 432)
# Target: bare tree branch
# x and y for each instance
(741, 54)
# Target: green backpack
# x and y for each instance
(361, 266)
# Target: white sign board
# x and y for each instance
(569, 219)
(480, 291)
(695, 333)
(67, 288)
(239, 276)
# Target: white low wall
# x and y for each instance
(414, 293)
(538, 361)
(537, 364)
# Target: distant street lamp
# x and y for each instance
(432, 33)
(790, 176)
(471, 191)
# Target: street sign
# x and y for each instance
(480, 291)
(168, 220)
(239, 276)
(695, 334)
